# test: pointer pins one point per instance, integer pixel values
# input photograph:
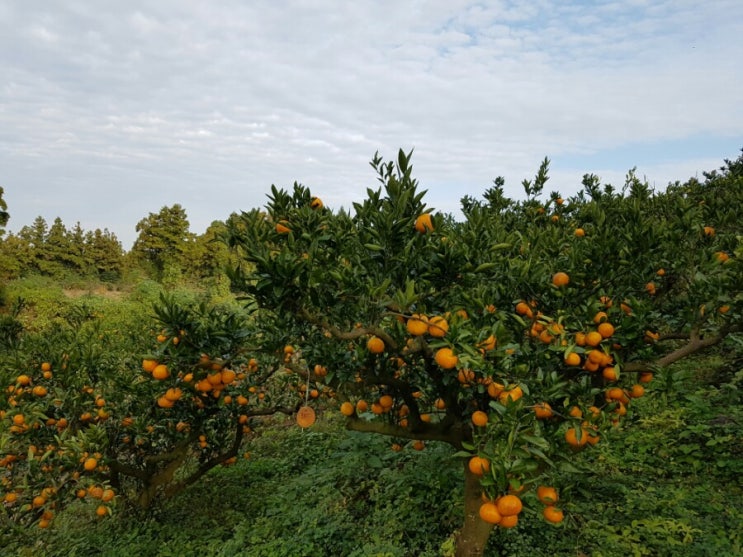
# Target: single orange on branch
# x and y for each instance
(305, 416)
(479, 418)
(446, 358)
(553, 514)
(560, 279)
(438, 326)
(478, 465)
(417, 324)
(375, 345)
(547, 495)
(424, 223)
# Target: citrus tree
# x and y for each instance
(519, 336)
(84, 418)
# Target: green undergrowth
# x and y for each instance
(666, 482)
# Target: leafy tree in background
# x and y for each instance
(104, 252)
(4, 215)
(58, 252)
(163, 239)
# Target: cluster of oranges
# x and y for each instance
(503, 511)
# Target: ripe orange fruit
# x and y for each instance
(605, 329)
(488, 344)
(571, 436)
(572, 359)
(478, 465)
(579, 232)
(305, 416)
(466, 376)
(417, 324)
(509, 521)
(439, 404)
(437, 326)
(495, 389)
(386, 401)
(479, 418)
(512, 394)
(375, 345)
(522, 308)
(419, 445)
(101, 511)
(600, 317)
(39, 390)
(90, 464)
(23, 380)
(347, 409)
(609, 373)
(650, 288)
(543, 410)
(149, 365)
(160, 372)
(424, 223)
(282, 228)
(721, 256)
(547, 495)
(362, 406)
(560, 279)
(489, 513)
(446, 358)
(173, 394)
(709, 231)
(509, 505)
(108, 495)
(46, 366)
(316, 203)
(594, 338)
(637, 391)
(553, 514)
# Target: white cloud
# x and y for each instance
(110, 111)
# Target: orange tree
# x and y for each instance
(82, 420)
(519, 336)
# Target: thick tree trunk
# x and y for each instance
(473, 537)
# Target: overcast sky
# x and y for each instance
(110, 110)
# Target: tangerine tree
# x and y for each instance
(84, 418)
(519, 336)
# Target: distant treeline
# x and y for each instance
(165, 248)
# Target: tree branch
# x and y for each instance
(349, 335)
(695, 343)
(429, 432)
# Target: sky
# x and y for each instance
(111, 110)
